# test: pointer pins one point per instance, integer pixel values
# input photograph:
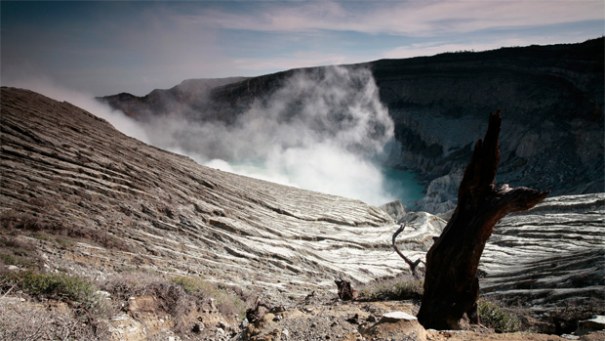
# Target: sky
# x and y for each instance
(105, 48)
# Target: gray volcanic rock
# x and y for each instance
(551, 99)
(395, 209)
(550, 257)
(442, 193)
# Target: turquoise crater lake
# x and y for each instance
(404, 185)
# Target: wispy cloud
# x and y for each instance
(109, 47)
(411, 18)
(424, 28)
(295, 60)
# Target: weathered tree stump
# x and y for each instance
(345, 291)
(451, 286)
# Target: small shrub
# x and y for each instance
(193, 285)
(231, 305)
(227, 301)
(59, 286)
(129, 283)
(397, 288)
(8, 259)
(564, 319)
(11, 242)
(501, 319)
(181, 297)
(172, 298)
(17, 251)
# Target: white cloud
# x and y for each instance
(412, 18)
(463, 21)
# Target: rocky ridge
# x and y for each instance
(190, 97)
(95, 202)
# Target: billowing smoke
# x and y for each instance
(321, 131)
(85, 101)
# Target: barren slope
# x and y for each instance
(551, 260)
(129, 205)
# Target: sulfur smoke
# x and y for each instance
(320, 130)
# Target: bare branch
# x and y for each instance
(411, 264)
(8, 291)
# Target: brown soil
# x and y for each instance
(362, 321)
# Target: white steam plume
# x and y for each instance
(320, 131)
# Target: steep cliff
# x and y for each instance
(551, 99)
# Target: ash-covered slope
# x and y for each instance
(94, 201)
(550, 260)
(551, 98)
(70, 178)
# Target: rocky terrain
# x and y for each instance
(79, 197)
(551, 98)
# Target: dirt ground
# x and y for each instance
(364, 321)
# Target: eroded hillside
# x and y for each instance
(126, 204)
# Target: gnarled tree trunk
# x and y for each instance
(451, 287)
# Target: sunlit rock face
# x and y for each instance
(551, 98)
(551, 256)
(441, 193)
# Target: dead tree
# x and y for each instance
(409, 262)
(451, 286)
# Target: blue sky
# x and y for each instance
(109, 47)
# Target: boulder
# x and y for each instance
(397, 325)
